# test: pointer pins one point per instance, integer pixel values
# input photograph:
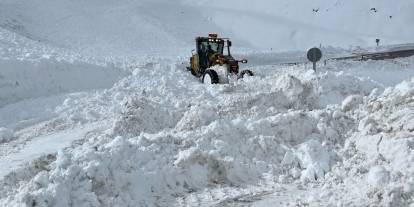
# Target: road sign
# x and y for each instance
(314, 55)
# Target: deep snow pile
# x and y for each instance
(172, 136)
(378, 157)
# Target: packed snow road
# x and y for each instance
(287, 135)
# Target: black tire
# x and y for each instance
(212, 75)
(246, 73)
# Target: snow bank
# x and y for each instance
(168, 140)
(170, 136)
(22, 79)
(197, 116)
(315, 158)
(377, 156)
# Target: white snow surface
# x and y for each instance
(170, 137)
(97, 109)
(127, 27)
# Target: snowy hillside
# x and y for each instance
(298, 24)
(129, 27)
(97, 108)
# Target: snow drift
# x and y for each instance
(164, 145)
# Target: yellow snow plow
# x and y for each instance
(212, 64)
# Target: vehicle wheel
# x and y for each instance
(246, 73)
(210, 77)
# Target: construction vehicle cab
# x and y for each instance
(210, 53)
(208, 46)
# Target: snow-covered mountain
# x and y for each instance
(298, 24)
(157, 26)
(96, 108)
